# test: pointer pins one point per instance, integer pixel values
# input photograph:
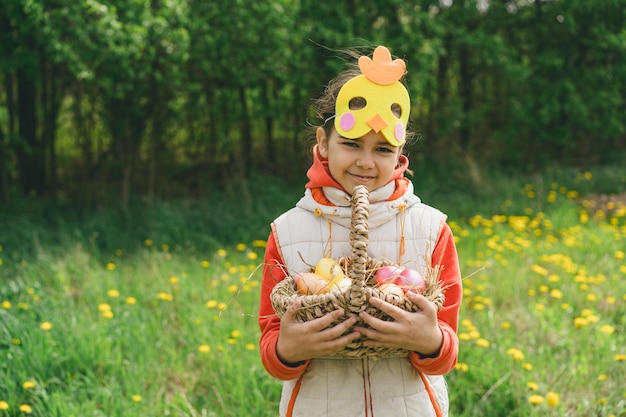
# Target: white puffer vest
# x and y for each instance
(388, 387)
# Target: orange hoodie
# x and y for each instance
(444, 254)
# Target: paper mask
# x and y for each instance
(380, 88)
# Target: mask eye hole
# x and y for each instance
(396, 110)
(357, 103)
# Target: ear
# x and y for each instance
(322, 142)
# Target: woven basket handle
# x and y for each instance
(359, 237)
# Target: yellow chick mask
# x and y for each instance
(380, 91)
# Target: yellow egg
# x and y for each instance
(329, 269)
(340, 284)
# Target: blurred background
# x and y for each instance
(105, 102)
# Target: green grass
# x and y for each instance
(153, 309)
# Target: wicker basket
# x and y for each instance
(361, 269)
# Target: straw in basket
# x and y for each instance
(361, 270)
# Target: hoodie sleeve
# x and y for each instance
(269, 322)
(445, 254)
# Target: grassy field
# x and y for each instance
(152, 312)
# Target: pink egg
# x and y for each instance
(388, 274)
(411, 280)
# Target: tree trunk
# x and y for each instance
(29, 151)
(246, 133)
(465, 92)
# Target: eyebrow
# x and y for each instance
(381, 143)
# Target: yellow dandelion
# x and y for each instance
(148, 242)
(620, 357)
(461, 366)
(29, 384)
(118, 252)
(610, 300)
(241, 247)
(505, 325)
(104, 307)
(165, 248)
(515, 354)
(532, 386)
(113, 293)
(557, 294)
(235, 334)
(136, 398)
(250, 346)
(204, 348)
(46, 325)
(163, 296)
(173, 280)
(552, 398)
(221, 306)
(607, 329)
(110, 266)
(205, 264)
(6, 305)
(554, 278)
(593, 318)
(221, 253)
(233, 288)
(464, 336)
(259, 243)
(535, 399)
(603, 377)
(107, 314)
(16, 341)
(211, 304)
(527, 366)
(252, 256)
(4, 405)
(482, 342)
(580, 322)
(231, 341)
(26, 409)
(619, 255)
(131, 300)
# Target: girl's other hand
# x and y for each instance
(417, 332)
(299, 341)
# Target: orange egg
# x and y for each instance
(310, 283)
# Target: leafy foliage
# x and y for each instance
(163, 97)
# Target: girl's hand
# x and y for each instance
(417, 332)
(299, 341)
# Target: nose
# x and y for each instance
(365, 160)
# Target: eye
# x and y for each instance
(383, 149)
(357, 103)
(350, 144)
(396, 110)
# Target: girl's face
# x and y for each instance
(369, 160)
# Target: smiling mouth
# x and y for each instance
(362, 178)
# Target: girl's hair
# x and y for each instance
(324, 105)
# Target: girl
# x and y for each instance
(365, 114)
